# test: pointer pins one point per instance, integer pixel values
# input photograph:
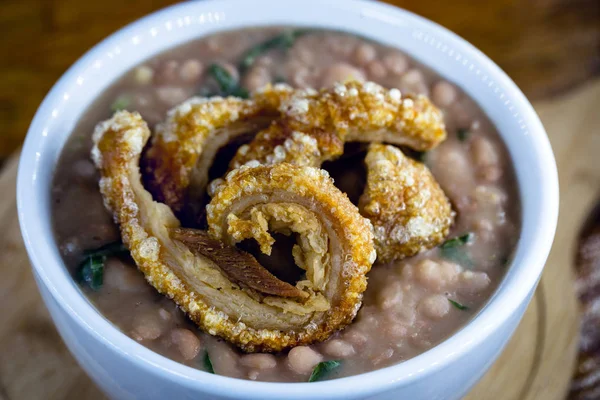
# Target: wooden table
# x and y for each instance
(544, 45)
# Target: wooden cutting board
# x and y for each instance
(537, 363)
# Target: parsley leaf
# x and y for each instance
(322, 369)
(282, 41)
(91, 269)
(91, 272)
(456, 304)
(458, 241)
(208, 364)
(452, 250)
(228, 85)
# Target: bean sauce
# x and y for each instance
(409, 306)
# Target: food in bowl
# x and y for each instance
(416, 298)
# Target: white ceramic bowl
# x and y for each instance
(125, 369)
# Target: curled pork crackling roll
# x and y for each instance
(409, 211)
(306, 128)
(222, 289)
(314, 125)
(185, 144)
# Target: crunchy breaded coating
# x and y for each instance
(184, 146)
(336, 246)
(353, 111)
(408, 209)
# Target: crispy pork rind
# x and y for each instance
(184, 146)
(335, 246)
(409, 215)
(314, 125)
(408, 209)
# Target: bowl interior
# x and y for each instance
(427, 42)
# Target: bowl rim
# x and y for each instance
(515, 288)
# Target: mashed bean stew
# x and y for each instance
(409, 305)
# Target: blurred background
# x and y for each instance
(551, 48)
(546, 46)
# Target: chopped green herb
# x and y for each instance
(223, 78)
(228, 85)
(208, 364)
(91, 272)
(281, 41)
(463, 134)
(322, 369)
(457, 255)
(120, 103)
(458, 241)
(91, 269)
(458, 305)
(452, 250)
(279, 79)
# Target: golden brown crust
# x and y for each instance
(184, 146)
(294, 188)
(290, 142)
(219, 306)
(313, 128)
(353, 111)
(408, 209)
(275, 189)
